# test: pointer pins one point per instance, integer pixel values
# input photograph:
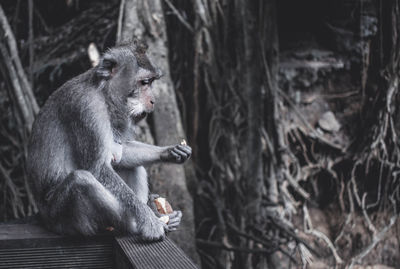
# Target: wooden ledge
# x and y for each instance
(31, 246)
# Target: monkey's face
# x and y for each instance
(129, 76)
(140, 100)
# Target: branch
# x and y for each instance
(261, 241)
(30, 40)
(308, 228)
(179, 16)
(16, 69)
(120, 19)
(17, 92)
(376, 239)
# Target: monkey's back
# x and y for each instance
(50, 158)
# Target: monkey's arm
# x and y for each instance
(137, 154)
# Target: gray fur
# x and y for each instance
(136, 179)
(81, 148)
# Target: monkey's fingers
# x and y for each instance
(181, 153)
(175, 214)
(168, 230)
(175, 155)
(186, 149)
(172, 227)
(174, 223)
(175, 218)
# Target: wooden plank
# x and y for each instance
(156, 255)
(31, 246)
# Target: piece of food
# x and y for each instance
(183, 142)
(164, 219)
(162, 205)
(110, 228)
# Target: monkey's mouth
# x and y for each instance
(139, 117)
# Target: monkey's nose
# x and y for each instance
(152, 102)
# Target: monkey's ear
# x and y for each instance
(106, 68)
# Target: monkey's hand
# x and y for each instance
(176, 154)
(174, 221)
(174, 218)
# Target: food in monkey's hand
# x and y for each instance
(164, 219)
(162, 205)
(183, 142)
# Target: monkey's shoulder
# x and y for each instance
(74, 96)
(77, 88)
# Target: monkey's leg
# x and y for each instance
(137, 217)
(136, 179)
(81, 205)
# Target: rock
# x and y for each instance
(328, 122)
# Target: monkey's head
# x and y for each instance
(128, 75)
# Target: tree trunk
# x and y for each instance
(235, 47)
(145, 20)
(252, 85)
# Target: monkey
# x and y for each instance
(85, 167)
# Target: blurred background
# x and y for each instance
(291, 108)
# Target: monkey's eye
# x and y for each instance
(147, 81)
